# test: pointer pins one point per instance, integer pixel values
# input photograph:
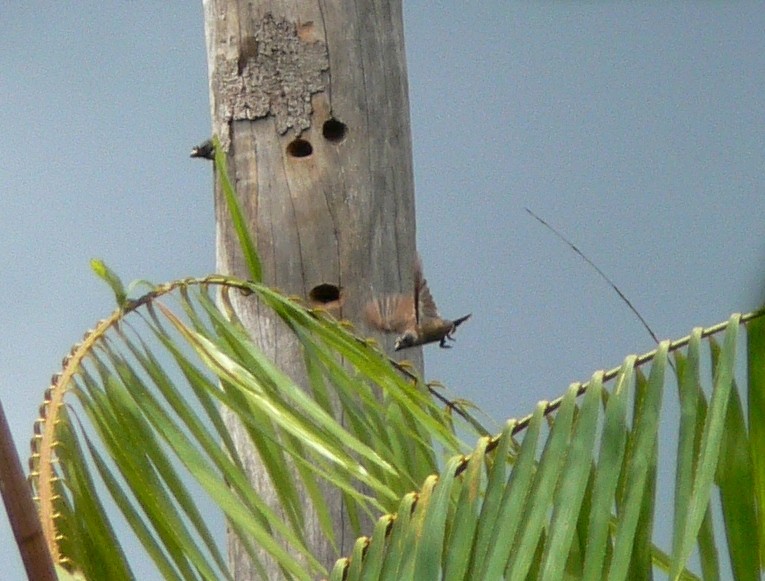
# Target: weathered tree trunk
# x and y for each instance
(310, 101)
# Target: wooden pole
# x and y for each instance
(310, 101)
(21, 509)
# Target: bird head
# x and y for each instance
(404, 341)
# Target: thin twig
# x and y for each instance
(600, 272)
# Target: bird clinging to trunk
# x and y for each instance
(205, 150)
(415, 317)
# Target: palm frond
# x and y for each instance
(142, 419)
(133, 426)
(579, 500)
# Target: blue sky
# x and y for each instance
(637, 129)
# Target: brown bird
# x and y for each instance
(415, 318)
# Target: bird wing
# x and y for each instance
(425, 306)
(391, 313)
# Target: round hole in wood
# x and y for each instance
(299, 148)
(325, 293)
(334, 130)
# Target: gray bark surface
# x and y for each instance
(342, 215)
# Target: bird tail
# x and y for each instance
(457, 322)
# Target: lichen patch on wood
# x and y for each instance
(275, 74)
